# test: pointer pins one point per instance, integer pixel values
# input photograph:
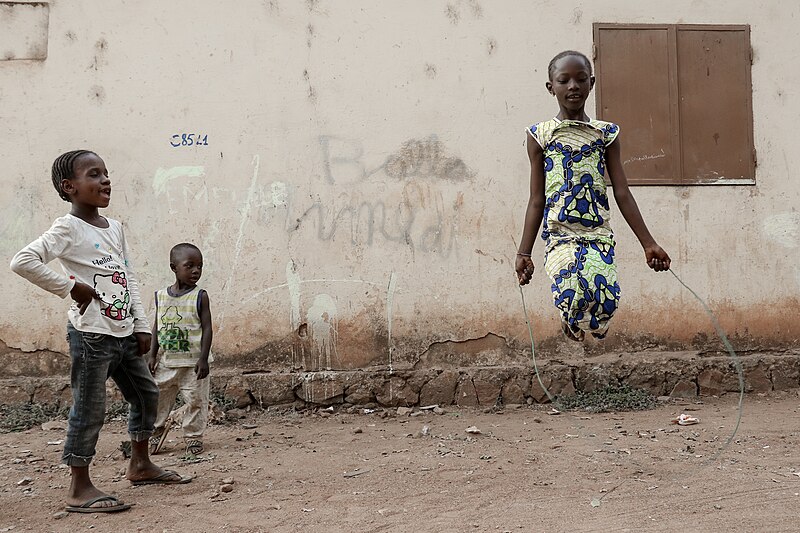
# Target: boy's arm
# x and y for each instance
(656, 257)
(31, 261)
(533, 214)
(201, 368)
(152, 357)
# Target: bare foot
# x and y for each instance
(142, 470)
(103, 499)
(82, 490)
(149, 471)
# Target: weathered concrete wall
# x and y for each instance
(364, 177)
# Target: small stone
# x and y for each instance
(425, 431)
(61, 514)
(54, 425)
(473, 430)
(403, 411)
(226, 488)
(358, 430)
(236, 413)
(25, 481)
(228, 481)
(438, 410)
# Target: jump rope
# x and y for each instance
(736, 360)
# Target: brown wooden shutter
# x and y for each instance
(715, 103)
(682, 96)
(634, 89)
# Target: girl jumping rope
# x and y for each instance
(573, 160)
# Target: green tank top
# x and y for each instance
(179, 327)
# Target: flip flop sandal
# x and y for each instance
(167, 477)
(194, 447)
(157, 442)
(86, 507)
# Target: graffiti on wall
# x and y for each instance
(407, 200)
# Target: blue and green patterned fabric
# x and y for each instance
(579, 251)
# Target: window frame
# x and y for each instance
(678, 178)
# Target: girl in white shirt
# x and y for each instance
(107, 329)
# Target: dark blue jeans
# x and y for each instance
(95, 358)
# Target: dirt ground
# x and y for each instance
(527, 470)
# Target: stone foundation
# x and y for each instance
(676, 374)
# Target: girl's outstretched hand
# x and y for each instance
(657, 258)
(524, 268)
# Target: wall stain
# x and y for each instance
(477, 9)
(310, 32)
(97, 94)
(273, 6)
(491, 45)
(98, 61)
(312, 92)
(453, 14)
(430, 70)
(426, 157)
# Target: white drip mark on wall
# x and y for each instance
(280, 194)
(321, 319)
(245, 214)
(165, 175)
(389, 304)
(293, 281)
(783, 229)
(258, 294)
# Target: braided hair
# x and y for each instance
(551, 68)
(64, 169)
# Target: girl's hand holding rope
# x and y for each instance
(524, 267)
(657, 258)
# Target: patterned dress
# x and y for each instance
(579, 251)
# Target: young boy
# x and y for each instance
(182, 329)
(107, 329)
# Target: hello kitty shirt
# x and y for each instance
(97, 257)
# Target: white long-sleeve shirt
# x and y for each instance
(97, 257)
